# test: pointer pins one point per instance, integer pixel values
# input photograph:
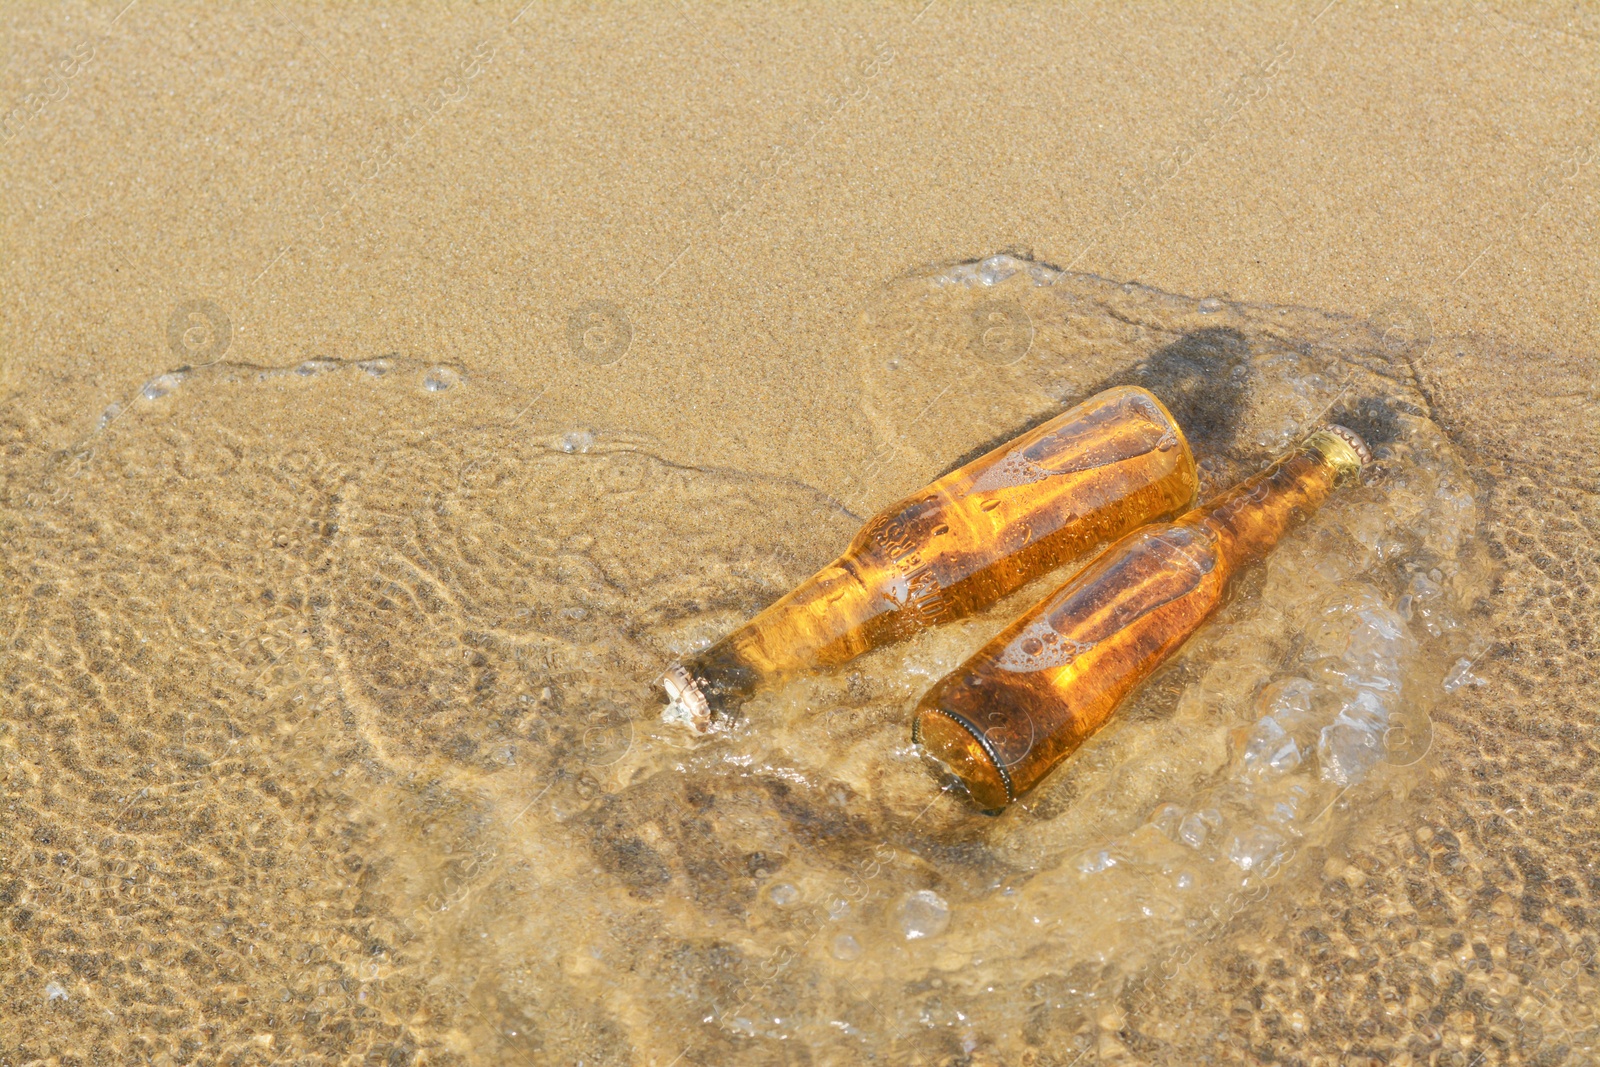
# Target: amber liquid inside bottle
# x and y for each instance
(1089, 475)
(1029, 698)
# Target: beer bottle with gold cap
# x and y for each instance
(1089, 475)
(1005, 718)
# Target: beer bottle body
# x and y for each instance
(1009, 715)
(980, 532)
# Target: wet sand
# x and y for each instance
(679, 242)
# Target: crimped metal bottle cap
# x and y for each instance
(686, 705)
(1343, 450)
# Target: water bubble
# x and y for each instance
(783, 894)
(1288, 701)
(1460, 675)
(575, 441)
(376, 367)
(158, 387)
(315, 366)
(1366, 709)
(1424, 603)
(1043, 275)
(1166, 819)
(1347, 750)
(1424, 586)
(1096, 862)
(1210, 305)
(996, 269)
(1269, 748)
(438, 379)
(1254, 848)
(846, 948)
(1361, 641)
(924, 914)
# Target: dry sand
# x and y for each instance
(663, 226)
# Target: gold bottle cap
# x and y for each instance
(1343, 450)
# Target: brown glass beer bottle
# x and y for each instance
(1030, 697)
(1089, 475)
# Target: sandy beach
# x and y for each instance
(390, 394)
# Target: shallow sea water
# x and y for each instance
(330, 729)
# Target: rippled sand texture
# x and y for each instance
(330, 728)
(529, 347)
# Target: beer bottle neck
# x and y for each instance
(1249, 519)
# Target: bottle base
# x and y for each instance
(961, 750)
